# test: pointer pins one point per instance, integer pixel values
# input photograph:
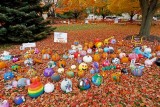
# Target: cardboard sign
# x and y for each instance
(27, 45)
(60, 37)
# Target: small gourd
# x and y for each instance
(55, 57)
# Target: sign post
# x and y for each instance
(60, 37)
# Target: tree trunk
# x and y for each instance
(146, 24)
(148, 8)
(131, 16)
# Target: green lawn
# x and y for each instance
(5, 47)
(75, 27)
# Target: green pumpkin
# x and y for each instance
(70, 74)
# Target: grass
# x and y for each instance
(5, 47)
(75, 27)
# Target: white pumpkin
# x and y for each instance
(89, 51)
(66, 85)
(49, 87)
(73, 47)
(60, 70)
(73, 67)
(147, 50)
(87, 59)
(149, 62)
(121, 55)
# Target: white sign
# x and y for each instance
(27, 45)
(60, 37)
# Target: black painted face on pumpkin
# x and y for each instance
(83, 66)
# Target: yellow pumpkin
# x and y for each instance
(96, 57)
(62, 63)
(55, 57)
(116, 76)
(81, 73)
(90, 44)
(124, 59)
(43, 51)
(3, 65)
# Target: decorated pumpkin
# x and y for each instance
(55, 77)
(62, 63)
(83, 66)
(8, 75)
(84, 84)
(104, 55)
(124, 60)
(97, 79)
(96, 57)
(15, 67)
(116, 61)
(49, 87)
(46, 56)
(55, 57)
(81, 73)
(35, 79)
(48, 72)
(87, 59)
(90, 44)
(19, 99)
(89, 51)
(66, 85)
(51, 64)
(113, 55)
(76, 54)
(60, 70)
(2, 65)
(31, 72)
(116, 76)
(70, 74)
(121, 55)
(82, 53)
(4, 103)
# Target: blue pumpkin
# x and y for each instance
(19, 99)
(8, 75)
(84, 84)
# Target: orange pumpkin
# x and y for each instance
(43, 51)
(100, 50)
(35, 79)
(96, 57)
(62, 63)
(18, 77)
(124, 59)
(90, 44)
(118, 51)
(49, 51)
(113, 55)
(55, 57)
(103, 73)
(85, 48)
(120, 43)
(37, 60)
(158, 48)
(3, 65)
(81, 73)
(104, 55)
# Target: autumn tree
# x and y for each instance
(76, 7)
(101, 7)
(124, 6)
(148, 8)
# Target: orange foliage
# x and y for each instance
(120, 6)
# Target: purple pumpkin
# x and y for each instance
(79, 60)
(48, 72)
(5, 103)
(15, 59)
(95, 65)
(83, 53)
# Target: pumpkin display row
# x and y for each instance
(94, 57)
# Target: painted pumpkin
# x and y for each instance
(89, 51)
(113, 55)
(70, 74)
(46, 56)
(55, 57)
(96, 57)
(116, 76)
(83, 66)
(35, 79)
(121, 55)
(83, 53)
(76, 54)
(31, 72)
(125, 60)
(104, 55)
(49, 87)
(3, 65)
(62, 63)
(87, 59)
(90, 44)
(60, 70)
(81, 73)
